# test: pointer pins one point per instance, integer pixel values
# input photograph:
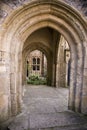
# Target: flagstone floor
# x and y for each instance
(46, 108)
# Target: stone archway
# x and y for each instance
(41, 47)
(19, 26)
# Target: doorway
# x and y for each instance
(55, 16)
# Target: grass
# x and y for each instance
(35, 80)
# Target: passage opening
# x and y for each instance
(36, 68)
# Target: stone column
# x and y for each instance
(42, 65)
(84, 88)
(54, 72)
(16, 83)
(13, 84)
(61, 65)
(5, 99)
(84, 93)
(49, 71)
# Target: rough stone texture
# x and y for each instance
(3, 14)
(68, 19)
(79, 4)
(61, 64)
(44, 109)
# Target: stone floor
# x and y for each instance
(43, 99)
(45, 108)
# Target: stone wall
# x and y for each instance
(38, 72)
(61, 64)
(18, 20)
(4, 86)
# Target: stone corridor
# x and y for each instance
(46, 108)
(47, 26)
(43, 99)
(44, 25)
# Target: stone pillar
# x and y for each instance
(71, 102)
(27, 68)
(13, 94)
(20, 89)
(24, 70)
(16, 83)
(54, 65)
(49, 71)
(84, 93)
(84, 89)
(54, 72)
(42, 65)
(61, 74)
(19, 92)
(5, 102)
(61, 65)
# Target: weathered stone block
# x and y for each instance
(4, 83)
(14, 109)
(4, 100)
(13, 83)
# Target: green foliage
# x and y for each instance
(35, 80)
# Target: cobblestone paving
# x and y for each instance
(45, 108)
